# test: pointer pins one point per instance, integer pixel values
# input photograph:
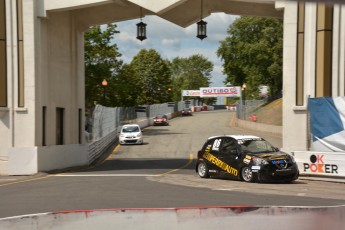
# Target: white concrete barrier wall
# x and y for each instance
(31, 160)
(258, 218)
(320, 163)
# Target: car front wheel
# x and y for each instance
(203, 170)
(247, 174)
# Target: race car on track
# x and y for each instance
(131, 134)
(187, 112)
(245, 157)
(160, 120)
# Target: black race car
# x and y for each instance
(245, 157)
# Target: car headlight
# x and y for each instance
(293, 159)
(259, 161)
(139, 135)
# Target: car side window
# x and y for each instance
(216, 144)
(212, 146)
(229, 146)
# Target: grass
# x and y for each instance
(271, 113)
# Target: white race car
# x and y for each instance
(131, 134)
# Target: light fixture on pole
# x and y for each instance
(244, 87)
(201, 30)
(104, 84)
(141, 28)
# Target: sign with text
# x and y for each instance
(320, 163)
(191, 93)
(221, 91)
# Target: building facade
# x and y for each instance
(313, 64)
(42, 68)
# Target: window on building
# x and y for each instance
(44, 118)
(3, 71)
(60, 126)
(300, 55)
(20, 54)
(324, 33)
(80, 126)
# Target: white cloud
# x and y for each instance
(175, 43)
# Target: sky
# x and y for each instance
(171, 40)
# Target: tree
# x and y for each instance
(190, 74)
(128, 88)
(252, 54)
(153, 77)
(101, 62)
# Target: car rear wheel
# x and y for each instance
(203, 170)
(247, 174)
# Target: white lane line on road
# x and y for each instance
(105, 175)
(226, 189)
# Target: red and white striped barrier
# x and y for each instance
(258, 218)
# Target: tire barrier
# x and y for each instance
(258, 218)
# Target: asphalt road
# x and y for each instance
(159, 174)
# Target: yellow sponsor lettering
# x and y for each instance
(214, 160)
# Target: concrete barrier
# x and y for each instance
(275, 129)
(258, 218)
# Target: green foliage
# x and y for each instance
(190, 74)
(252, 54)
(152, 76)
(127, 88)
(101, 62)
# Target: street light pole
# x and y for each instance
(244, 86)
(104, 84)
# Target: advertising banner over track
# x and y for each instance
(327, 123)
(221, 92)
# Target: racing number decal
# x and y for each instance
(216, 144)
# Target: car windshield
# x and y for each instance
(130, 129)
(160, 116)
(256, 146)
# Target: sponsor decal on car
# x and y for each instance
(242, 141)
(246, 161)
(214, 160)
(277, 162)
(256, 168)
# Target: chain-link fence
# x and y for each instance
(103, 123)
(247, 108)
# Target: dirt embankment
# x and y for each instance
(271, 113)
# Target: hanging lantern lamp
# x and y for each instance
(201, 26)
(141, 28)
(201, 29)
